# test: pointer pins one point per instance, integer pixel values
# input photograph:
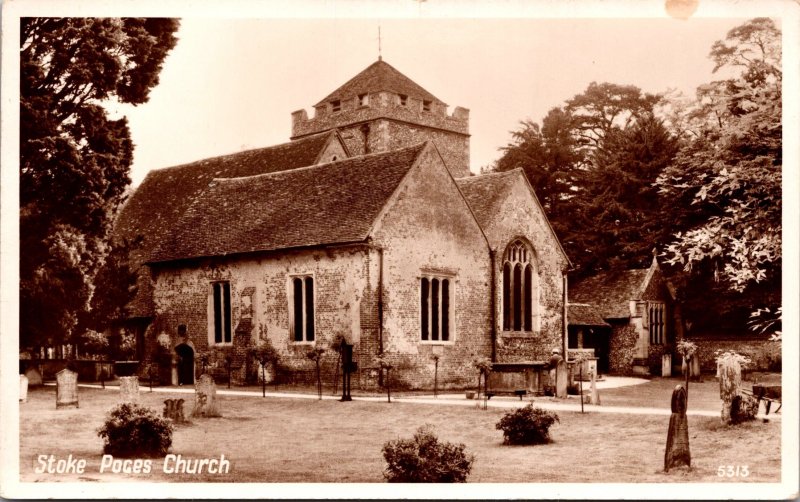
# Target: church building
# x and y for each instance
(366, 227)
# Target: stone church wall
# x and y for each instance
(183, 296)
(522, 218)
(428, 230)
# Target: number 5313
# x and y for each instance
(733, 471)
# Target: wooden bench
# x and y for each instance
(768, 393)
(517, 392)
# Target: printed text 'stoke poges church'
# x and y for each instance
(366, 227)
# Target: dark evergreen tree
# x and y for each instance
(74, 158)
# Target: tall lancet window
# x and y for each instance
(520, 288)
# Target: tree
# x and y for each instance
(593, 164)
(74, 158)
(730, 167)
(727, 177)
(549, 157)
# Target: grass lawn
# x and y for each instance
(299, 440)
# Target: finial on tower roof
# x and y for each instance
(380, 57)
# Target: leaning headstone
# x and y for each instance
(730, 380)
(677, 452)
(129, 389)
(23, 389)
(561, 378)
(34, 377)
(66, 389)
(206, 404)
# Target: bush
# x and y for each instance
(743, 408)
(527, 425)
(131, 430)
(424, 459)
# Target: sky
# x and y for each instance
(231, 84)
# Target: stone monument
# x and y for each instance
(730, 380)
(562, 378)
(206, 398)
(594, 397)
(66, 389)
(129, 389)
(677, 452)
(173, 410)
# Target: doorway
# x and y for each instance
(185, 364)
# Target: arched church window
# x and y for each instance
(520, 288)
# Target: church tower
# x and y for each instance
(380, 109)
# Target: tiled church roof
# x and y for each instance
(486, 193)
(330, 203)
(161, 199)
(379, 76)
(155, 207)
(610, 292)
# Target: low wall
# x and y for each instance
(88, 370)
(764, 354)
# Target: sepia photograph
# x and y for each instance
(407, 249)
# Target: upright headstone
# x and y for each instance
(561, 378)
(23, 389)
(129, 389)
(205, 404)
(677, 452)
(594, 397)
(34, 377)
(730, 380)
(666, 365)
(66, 389)
(696, 374)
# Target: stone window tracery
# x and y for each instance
(435, 309)
(520, 288)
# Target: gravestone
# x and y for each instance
(23, 389)
(173, 410)
(561, 378)
(594, 397)
(677, 452)
(129, 389)
(34, 377)
(66, 389)
(730, 381)
(666, 365)
(206, 404)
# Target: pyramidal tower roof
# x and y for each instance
(379, 76)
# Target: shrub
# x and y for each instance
(527, 425)
(131, 430)
(424, 459)
(743, 408)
